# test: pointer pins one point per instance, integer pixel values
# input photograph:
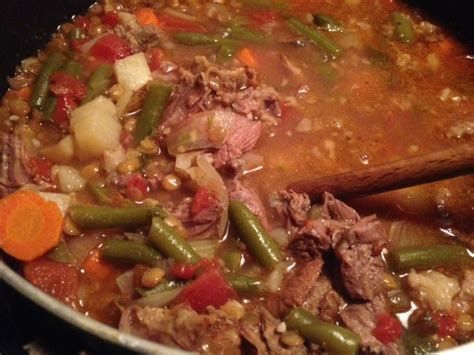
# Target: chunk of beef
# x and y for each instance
(252, 102)
(237, 191)
(300, 282)
(338, 210)
(243, 136)
(182, 327)
(140, 38)
(258, 327)
(292, 207)
(324, 301)
(361, 319)
(14, 171)
(362, 273)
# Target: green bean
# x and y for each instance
(98, 217)
(316, 37)
(99, 81)
(233, 260)
(73, 68)
(170, 243)
(41, 88)
(337, 339)
(127, 251)
(150, 116)
(404, 259)
(100, 193)
(260, 244)
(49, 107)
(326, 22)
(192, 38)
(245, 34)
(225, 52)
(61, 254)
(244, 284)
(75, 34)
(405, 30)
(165, 285)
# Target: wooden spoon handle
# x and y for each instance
(392, 176)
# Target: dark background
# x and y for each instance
(26, 26)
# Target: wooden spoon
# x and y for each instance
(422, 169)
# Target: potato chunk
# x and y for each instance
(133, 72)
(96, 128)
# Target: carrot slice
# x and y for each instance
(146, 16)
(29, 225)
(95, 267)
(246, 56)
(24, 93)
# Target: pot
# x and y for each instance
(20, 38)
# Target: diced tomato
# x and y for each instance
(155, 57)
(64, 105)
(137, 187)
(110, 48)
(110, 18)
(40, 168)
(209, 289)
(95, 267)
(203, 199)
(446, 325)
(56, 279)
(187, 271)
(65, 84)
(171, 23)
(388, 329)
(82, 22)
(263, 17)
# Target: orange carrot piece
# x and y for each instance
(146, 16)
(29, 225)
(246, 56)
(24, 93)
(95, 267)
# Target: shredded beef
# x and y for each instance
(14, 171)
(299, 283)
(292, 207)
(324, 301)
(338, 210)
(182, 327)
(258, 327)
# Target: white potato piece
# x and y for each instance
(434, 288)
(61, 152)
(96, 128)
(133, 71)
(69, 179)
(62, 200)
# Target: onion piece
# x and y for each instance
(81, 246)
(160, 299)
(123, 101)
(206, 248)
(125, 283)
(280, 236)
(86, 47)
(406, 234)
(61, 200)
(179, 14)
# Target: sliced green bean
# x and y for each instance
(244, 284)
(404, 27)
(73, 68)
(165, 285)
(315, 36)
(99, 217)
(41, 87)
(100, 193)
(99, 82)
(233, 260)
(245, 34)
(404, 259)
(170, 243)
(153, 107)
(49, 107)
(260, 244)
(337, 339)
(127, 251)
(192, 38)
(225, 52)
(326, 22)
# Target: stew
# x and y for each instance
(146, 152)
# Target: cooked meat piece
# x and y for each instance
(180, 326)
(300, 283)
(292, 207)
(362, 273)
(258, 327)
(338, 210)
(361, 319)
(323, 300)
(252, 101)
(14, 171)
(464, 301)
(243, 136)
(237, 191)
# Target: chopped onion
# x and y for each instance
(62, 200)
(125, 283)
(280, 235)
(179, 14)
(112, 158)
(304, 126)
(206, 248)
(86, 47)
(69, 178)
(406, 234)
(275, 278)
(81, 246)
(123, 101)
(160, 299)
